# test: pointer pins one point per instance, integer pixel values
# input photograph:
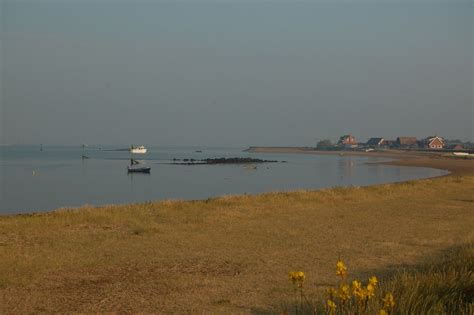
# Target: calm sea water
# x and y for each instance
(34, 180)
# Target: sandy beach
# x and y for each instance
(439, 160)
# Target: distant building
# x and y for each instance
(389, 143)
(347, 140)
(456, 147)
(407, 142)
(433, 143)
(375, 142)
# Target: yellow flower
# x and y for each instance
(331, 292)
(358, 291)
(356, 285)
(297, 276)
(370, 291)
(382, 312)
(301, 275)
(341, 269)
(331, 306)
(343, 292)
(292, 275)
(373, 281)
(388, 301)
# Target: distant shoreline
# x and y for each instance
(456, 166)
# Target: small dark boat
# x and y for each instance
(139, 169)
(136, 166)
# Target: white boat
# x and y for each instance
(139, 150)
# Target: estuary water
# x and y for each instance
(32, 180)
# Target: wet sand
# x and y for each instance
(438, 160)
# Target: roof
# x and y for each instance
(407, 140)
(346, 136)
(347, 139)
(433, 138)
(375, 141)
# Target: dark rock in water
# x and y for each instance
(236, 160)
(233, 160)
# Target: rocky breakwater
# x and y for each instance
(215, 161)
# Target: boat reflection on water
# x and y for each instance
(141, 169)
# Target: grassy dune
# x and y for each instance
(228, 254)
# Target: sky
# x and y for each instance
(234, 73)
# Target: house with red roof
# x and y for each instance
(347, 141)
(433, 143)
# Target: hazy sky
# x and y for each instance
(235, 72)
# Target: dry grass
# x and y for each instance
(442, 284)
(228, 254)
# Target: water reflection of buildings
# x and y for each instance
(379, 173)
(346, 169)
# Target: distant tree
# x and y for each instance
(452, 141)
(468, 144)
(325, 145)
